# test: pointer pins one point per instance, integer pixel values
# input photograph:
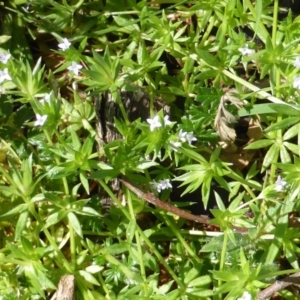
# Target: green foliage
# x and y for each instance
(210, 62)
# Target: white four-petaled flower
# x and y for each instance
(182, 135)
(4, 75)
(246, 51)
(246, 296)
(297, 62)
(154, 123)
(75, 67)
(161, 185)
(64, 45)
(296, 83)
(47, 98)
(186, 137)
(167, 121)
(40, 120)
(4, 57)
(190, 138)
(175, 145)
(165, 184)
(280, 184)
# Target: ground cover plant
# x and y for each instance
(117, 118)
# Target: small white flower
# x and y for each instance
(47, 98)
(181, 135)
(64, 45)
(4, 75)
(40, 120)
(154, 123)
(165, 184)
(156, 186)
(167, 121)
(75, 67)
(280, 184)
(161, 185)
(190, 138)
(175, 145)
(296, 83)
(4, 57)
(246, 296)
(297, 62)
(246, 51)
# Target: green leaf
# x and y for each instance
(292, 147)
(119, 248)
(271, 156)
(190, 275)
(130, 230)
(89, 277)
(21, 224)
(216, 243)
(260, 144)
(291, 132)
(258, 13)
(5, 38)
(286, 109)
(89, 211)
(283, 124)
(284, 155)
(18, 209)
(55, 218)
(268, 108)
(73, 221)
(84, 181)
(208, 58)
(209, 94)
(200, 281)
(27, 246)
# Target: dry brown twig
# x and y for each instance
(279, 285)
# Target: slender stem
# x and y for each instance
(142, 234)
(254, 88)
(181, 239)
(8, 146)
(222, 258)
(57, 159)
(138, 242)
(211, 25)
(72, 246)
(119, 13)
(277, 91)
(274, 26)
(62, 258)
(104, 286)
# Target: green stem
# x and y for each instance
(57, 159)
(72, 246)
(141, 232)
(222, 258)
(181, 239)
(206, 35)
(8, 147)
(138, 241)
(253, 88)
(277, 91)
(274, 25)
(103, 284)
(59, 254)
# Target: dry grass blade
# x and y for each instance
(224, 118)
